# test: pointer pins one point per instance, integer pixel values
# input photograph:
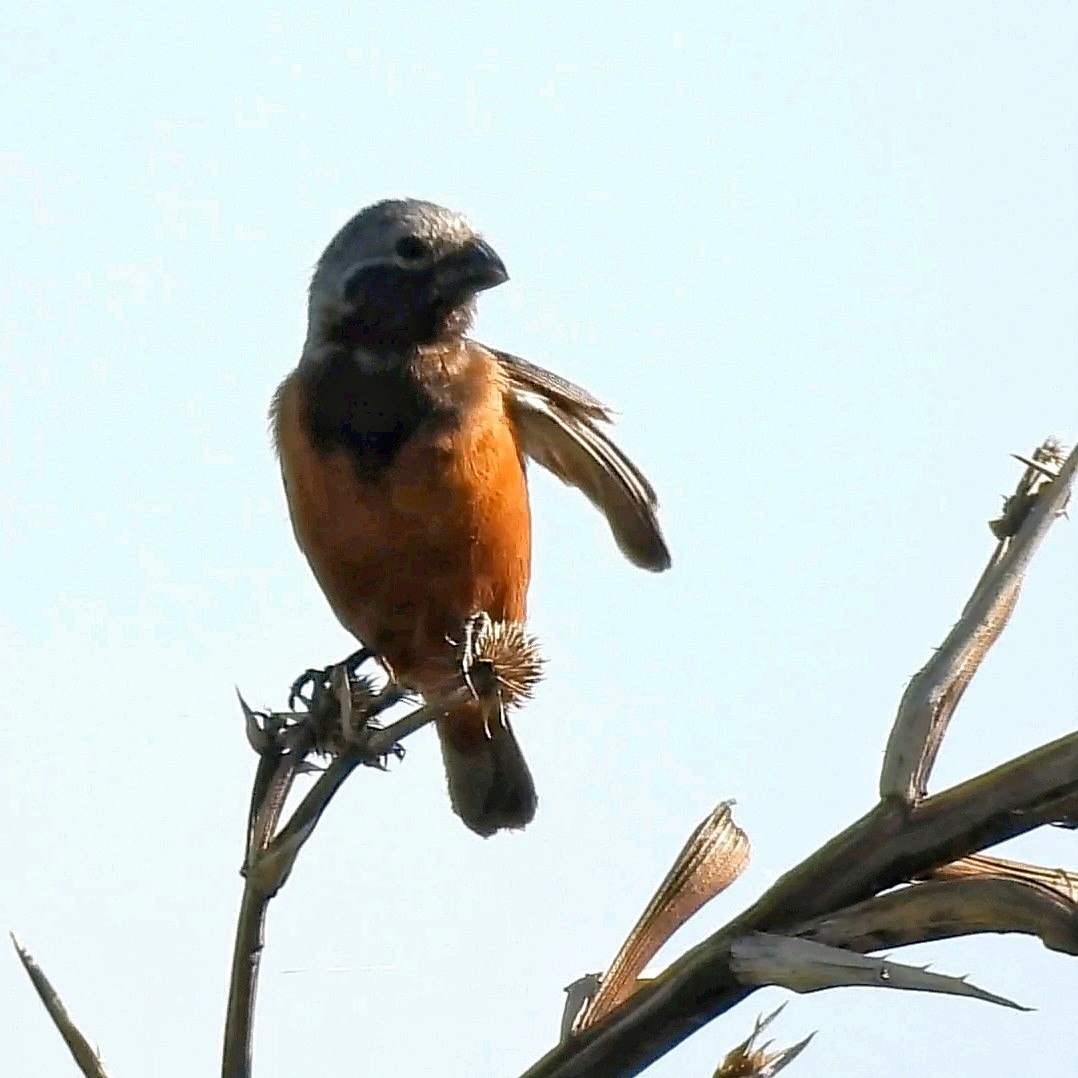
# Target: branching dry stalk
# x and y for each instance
(934, 692)
(811, 928)
(499, 664)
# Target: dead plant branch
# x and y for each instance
(933, 694)
(498, 662)
(811, 930)
(834, 896)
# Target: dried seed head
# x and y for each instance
(514, 656)
(364, 693)
(753, 1060)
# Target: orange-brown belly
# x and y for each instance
(406, 558)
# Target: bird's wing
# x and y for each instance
(527, 376)
(558, 423)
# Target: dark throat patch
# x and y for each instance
(370, 412)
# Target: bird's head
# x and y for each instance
(401, 273)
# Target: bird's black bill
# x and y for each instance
(472, 269)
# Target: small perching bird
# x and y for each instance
(402, 444)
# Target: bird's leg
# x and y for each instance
(370, 704)
(479, 673)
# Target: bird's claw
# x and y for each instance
(311, 679)
(313, 683)
(377, 760)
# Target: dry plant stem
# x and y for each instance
(499, 662)
(934, 693)
(885, 847)
(86, 1059)
(714, 856)
(272, 854)
(273, 780)
(274, 777)
(897, 840)
(936, 689)
(243, 987)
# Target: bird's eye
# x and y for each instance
(411, 249)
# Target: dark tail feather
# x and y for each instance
(490, 785)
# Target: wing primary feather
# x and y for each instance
(574, 449)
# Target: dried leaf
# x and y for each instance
(803, 966)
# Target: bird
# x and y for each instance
(403, 442)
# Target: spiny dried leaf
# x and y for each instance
(1051, 452)
(362, 693)
(254, 722)
(761, 1064)
(339, 717)
(800, 965)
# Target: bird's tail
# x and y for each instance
(490, 785)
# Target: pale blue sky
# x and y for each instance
(823, 259)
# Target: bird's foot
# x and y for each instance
(377, 758)
(313, 684)
(359, 727)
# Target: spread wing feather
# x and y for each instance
(558, 423)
